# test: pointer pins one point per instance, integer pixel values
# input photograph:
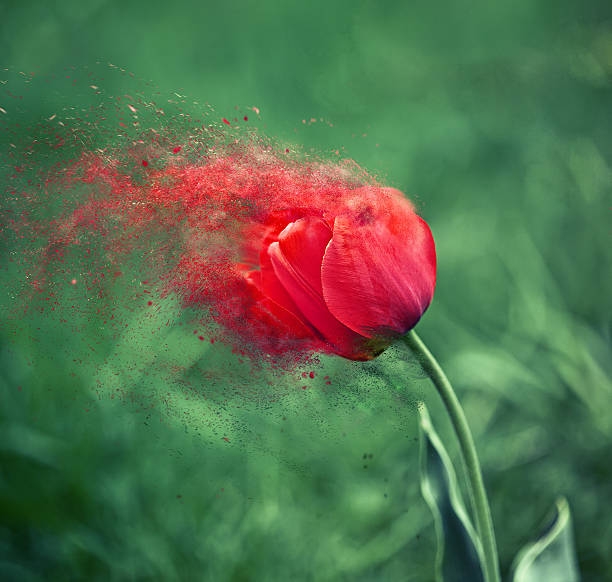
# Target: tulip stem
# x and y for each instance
(480, 504)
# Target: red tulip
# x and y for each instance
(350, 281)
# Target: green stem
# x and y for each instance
(484, 523)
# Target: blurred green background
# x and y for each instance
(496, 118)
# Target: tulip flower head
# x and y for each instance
(351, 280)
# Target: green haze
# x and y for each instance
(495, 118)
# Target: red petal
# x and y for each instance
(298, 270)
(379, 277)
(275, 300)
(303, 244)
(272, 296)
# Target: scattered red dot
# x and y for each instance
(303, 387)
(73, 281)
(287, 151)
(226, 121)
(246, 118)
(149, 302)
(177, 149)
(145, 163)
(201, 338)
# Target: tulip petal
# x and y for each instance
(299, 279)
(271, 297)
(303, 244)
(274, 297)
(379, 277)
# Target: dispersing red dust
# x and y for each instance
(193, 220)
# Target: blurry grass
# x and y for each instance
(499, 121)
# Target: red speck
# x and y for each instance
(201, 338)
(311, 374)
(287, 151)
(145, 163)
(226, 439)
(303, 387)
(246, 118)
(226, 121)
(328, 382)
(73, 281)
(149, 302)
(177, 149)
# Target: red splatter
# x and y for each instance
(193, 224)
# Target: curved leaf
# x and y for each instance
(459, 552)
(552, 556)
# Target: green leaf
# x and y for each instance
(552, 556)
(459, 554)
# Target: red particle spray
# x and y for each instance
(194, 223)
